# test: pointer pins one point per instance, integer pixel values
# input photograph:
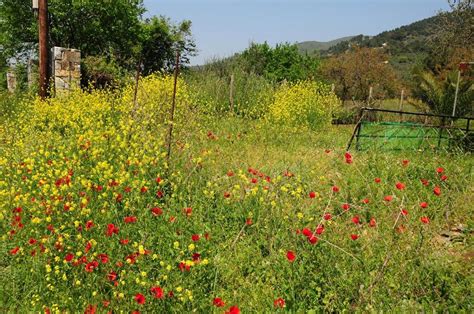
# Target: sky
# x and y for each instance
(224, 27)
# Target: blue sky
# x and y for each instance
(223, 27)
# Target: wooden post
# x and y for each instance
(173, 105)
(369, 100)
(400, 106)
(231, 94)
(135, 91)
(43, 48)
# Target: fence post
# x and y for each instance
(369, 99)
(173, 105)
(400, 107)
(231, 94)
(441, 131)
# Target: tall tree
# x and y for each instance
(355, 71)
(94, 27)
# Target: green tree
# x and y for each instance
(94, 27)
(284, 62)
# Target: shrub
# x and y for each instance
(305, 104)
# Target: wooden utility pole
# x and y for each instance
(43, 48)
(231, 94)
(173, 105)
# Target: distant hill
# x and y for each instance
(407, 45)
(311, 47)
(410, 38)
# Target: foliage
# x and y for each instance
(439, 95)
(94, 27)
(354, 72)
(453, 41)
(100, 72)
(160, 41)
(284, 62)
(303, 104)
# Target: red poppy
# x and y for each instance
(327, 216)
(32, 241)
(254, 180)
(437, 191)
(159, 194)
(425, 220)
(195, 237)
(218, 302)
(188, 211)
(377, 180)
(119, 198)
(279, 303)
(335, 189)
(405, 162)
(89, 224)
(423, 204)
(156, 211)
(112, 229)
(91, 266)
(444, 177)
(88, 247)
(400, 186)
(439, 170)
(226, 194)
(157, 292)
(143, 189)
(233, 310)
(15, 250)
(425, 182)
(103, 258)
(312, 194)
(312, 239)
(248, 221)
(388, 198)
(307, 232)
(91, 309)
(372, 222)
(348, 157)
(320, 229)
(404, 212)
(69, 257)
(130, 219)
(365, 201)
(356, 220)
(354, 236)
(124, 241)
(346, 206)
(112, 276)
(140, 298)
(230, 173)
(290, 255)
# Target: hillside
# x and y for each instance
(311, 47)
(410, 38)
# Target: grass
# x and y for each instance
(236, 197)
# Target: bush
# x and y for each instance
(303, 104)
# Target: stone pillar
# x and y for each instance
(66, 68)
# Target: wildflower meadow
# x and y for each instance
(251, 215)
